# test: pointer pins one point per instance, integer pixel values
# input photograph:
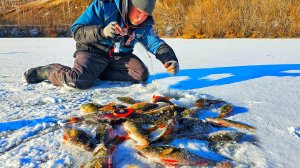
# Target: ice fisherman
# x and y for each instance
(105, 35)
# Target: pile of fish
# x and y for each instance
(152, 125)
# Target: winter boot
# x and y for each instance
(37, 75)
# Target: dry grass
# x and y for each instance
(180, 18)
(52, 16)
(233, 18)
(47, 13)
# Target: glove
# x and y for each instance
(172, 67)
(111, 30)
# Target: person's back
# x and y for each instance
(105, 35)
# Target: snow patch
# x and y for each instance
(52, 100)
(214, 77)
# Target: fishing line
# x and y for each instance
(151, 64)
(123, 17)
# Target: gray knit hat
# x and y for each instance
(144, 5)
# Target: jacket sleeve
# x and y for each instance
(157, 46)
(165, 53)
(150, 40)
(86, 28)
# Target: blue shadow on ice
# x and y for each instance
(15, 125)
(206, 77)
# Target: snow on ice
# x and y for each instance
(261, 78)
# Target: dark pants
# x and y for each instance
(89, 67)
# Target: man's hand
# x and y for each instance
(172, 67)
(111, 30)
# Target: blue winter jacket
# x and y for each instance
(99, 14)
